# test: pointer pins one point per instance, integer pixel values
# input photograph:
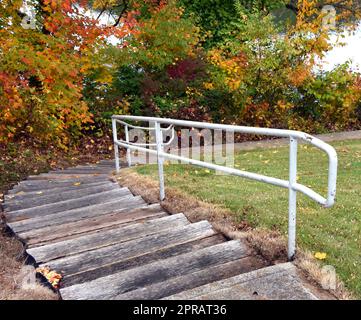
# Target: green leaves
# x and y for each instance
(162, 38)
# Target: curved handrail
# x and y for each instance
(291, 184)
(330, 151)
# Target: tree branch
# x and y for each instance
(125, 8)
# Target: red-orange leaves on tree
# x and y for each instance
(43, 63)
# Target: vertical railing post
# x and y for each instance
(116, 147)
(129, 158)
(160, 159)
(292, 201)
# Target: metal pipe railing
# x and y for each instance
(290, 184)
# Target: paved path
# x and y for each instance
(197, 153)
(110, 244)
(328, 137)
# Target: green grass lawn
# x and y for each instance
(335, 231)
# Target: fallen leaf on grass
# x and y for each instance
(320, 255)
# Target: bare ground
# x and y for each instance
(12, 273)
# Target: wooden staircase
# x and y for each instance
(110, 244)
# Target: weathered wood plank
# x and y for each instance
(110, 161)
(76, 235)
(84, 173)
(81, 171)
(66, 176)
(279, 282)
(110, 166)
(36, 185)
(93, 165)
(74, 229)
(105, 238)
(192, 280)
(76, 214)
(97, 167)
(116, 266)
(87, 168)
(163, 239)
(66, 205)
(23, 195)
(45, 180)
(113, 285)
(38, 200)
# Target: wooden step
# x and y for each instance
(195, 279)
(67, 175)
(39, 185)
(38, 200)
(96, 263)
(129, 249)
(116, 266)
(107, 162)
(72, 230)
(98, 165)
(80, 170)
(111, 286)
(105, 238)
(90, 167)
(24, 195)
(279, 282)
(76, 214)
(66, 205)
(110, 166)
(93, 165)
(47, 179)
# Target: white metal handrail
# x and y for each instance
(291, 184)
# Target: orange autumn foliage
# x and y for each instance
(43, 67)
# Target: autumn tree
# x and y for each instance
(44, 60)
(268, 68)
(244, 64)
(240, 61)
(153, 65)
(40, 72)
